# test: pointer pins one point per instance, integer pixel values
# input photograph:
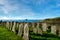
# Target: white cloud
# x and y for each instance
(57, 5)
(13, 18)
(9, 18)
(14, 6)
(22, 11)
(3, 18)
(7, 7)
(34, 2)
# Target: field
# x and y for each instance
(6, 34)
(45, 36)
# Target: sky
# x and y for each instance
(29, 9)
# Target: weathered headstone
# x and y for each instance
(34, 27)
(7, 25)
(17, 24)
(4, 24)
(26, 32)
(59, 32)
(58, 28)
(10, 26)
(44, 27)
(13, 28)
(53, 29)
(20, 29)
(35, 30)
(39, 31)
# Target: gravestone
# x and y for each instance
(44, 27)
(13, 28)
(17, 24)
(53, 29)
(59, 32)
(7, 25)
(10, 25)
(34, 28)
(39, 31)
(26, 32)
(20, 29)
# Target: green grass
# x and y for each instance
(45, 36)
(6, 34)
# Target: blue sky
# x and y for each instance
(29, 9)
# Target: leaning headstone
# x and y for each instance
(33, 25)
(53, 29)
(34, 28)
(7, 25)
(58, 28)
(44, 27)
(17, 24)
(59, 32)
(10, 25)
(26, 32)
(20, 29)
(13, 28)
(39, 31)
(4, 24)
(38, 25)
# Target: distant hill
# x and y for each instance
(21, 20)
(52, 20)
